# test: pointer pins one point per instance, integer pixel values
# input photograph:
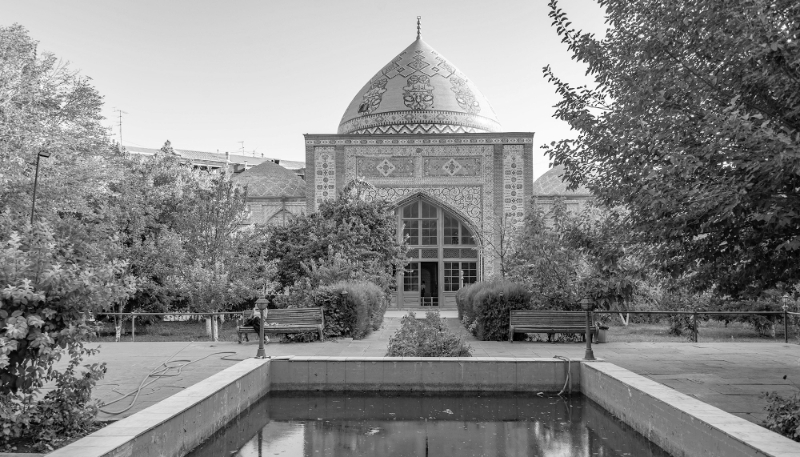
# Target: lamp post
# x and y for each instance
(45, 154)
(261, 303)
(586, 305)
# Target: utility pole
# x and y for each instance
(120, 124)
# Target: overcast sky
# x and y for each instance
(209, 74)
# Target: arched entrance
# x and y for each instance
(444, 254)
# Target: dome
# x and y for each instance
(269, 179)
(551, 185)
(419, 91)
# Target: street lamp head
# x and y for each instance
(262, 303)
(44, 153)
(785, 301)
(586, 303)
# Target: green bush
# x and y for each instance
(487, 306)
(783, 414)
(426, 338)
(354, 314)
(764, 325)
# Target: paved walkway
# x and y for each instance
(731, 376)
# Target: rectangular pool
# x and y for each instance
(470, 424)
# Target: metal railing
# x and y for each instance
(133, 316)
(694, 314)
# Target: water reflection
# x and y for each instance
(368, 425)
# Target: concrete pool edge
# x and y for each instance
(180, 423)
(679, 424)
(176, 425)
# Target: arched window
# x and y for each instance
(421, 219)
(443, 255)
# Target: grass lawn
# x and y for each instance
(709, 332)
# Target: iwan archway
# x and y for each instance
(444, 253)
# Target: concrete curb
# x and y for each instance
(678, 423)
(180, 423)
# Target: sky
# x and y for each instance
(209, 75)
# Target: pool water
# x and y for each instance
(464, 425)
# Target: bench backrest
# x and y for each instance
(295, 316)
(547, 318)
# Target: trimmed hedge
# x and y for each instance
(484, 307)
(355, 314)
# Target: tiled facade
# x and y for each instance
(477, 177)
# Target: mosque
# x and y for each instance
(430, 144)
(428, 141)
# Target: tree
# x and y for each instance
(614, 268)
(46, 106)
(693, 124)
(209, 215)
(543, 262)
(345, 231)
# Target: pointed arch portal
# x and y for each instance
(444, 253)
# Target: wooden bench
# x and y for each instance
(550, 322)
(289, 320)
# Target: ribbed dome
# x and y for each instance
(419, 91)
(551, 185)
(269, 179)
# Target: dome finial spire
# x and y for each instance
(419, 28)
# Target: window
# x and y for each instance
(428, 232)
(455, 232)
(411, 230)
(455, 272)
(411, 277)
(470, 272)
(421, 225)
(420, 220)
(450, 230)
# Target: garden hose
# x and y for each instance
(569, 373)
(156, 374)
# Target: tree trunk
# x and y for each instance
(625, 320)
(117, 330)
(214, 329)
(208, 327)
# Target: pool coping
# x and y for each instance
(183, 421)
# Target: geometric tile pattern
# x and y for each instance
(382, 167)
(463, 200)
(513, 183)
(419, 91)
(468, 191)
(270, 180)
(451, 166)
(325, 176)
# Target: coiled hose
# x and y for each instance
(158, 373)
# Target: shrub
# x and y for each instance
(783, 414)
(426, 338)
(763, 325)
(681, 324)
(489, 303)
(47, 285)
(354, 314)
(464, 298)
